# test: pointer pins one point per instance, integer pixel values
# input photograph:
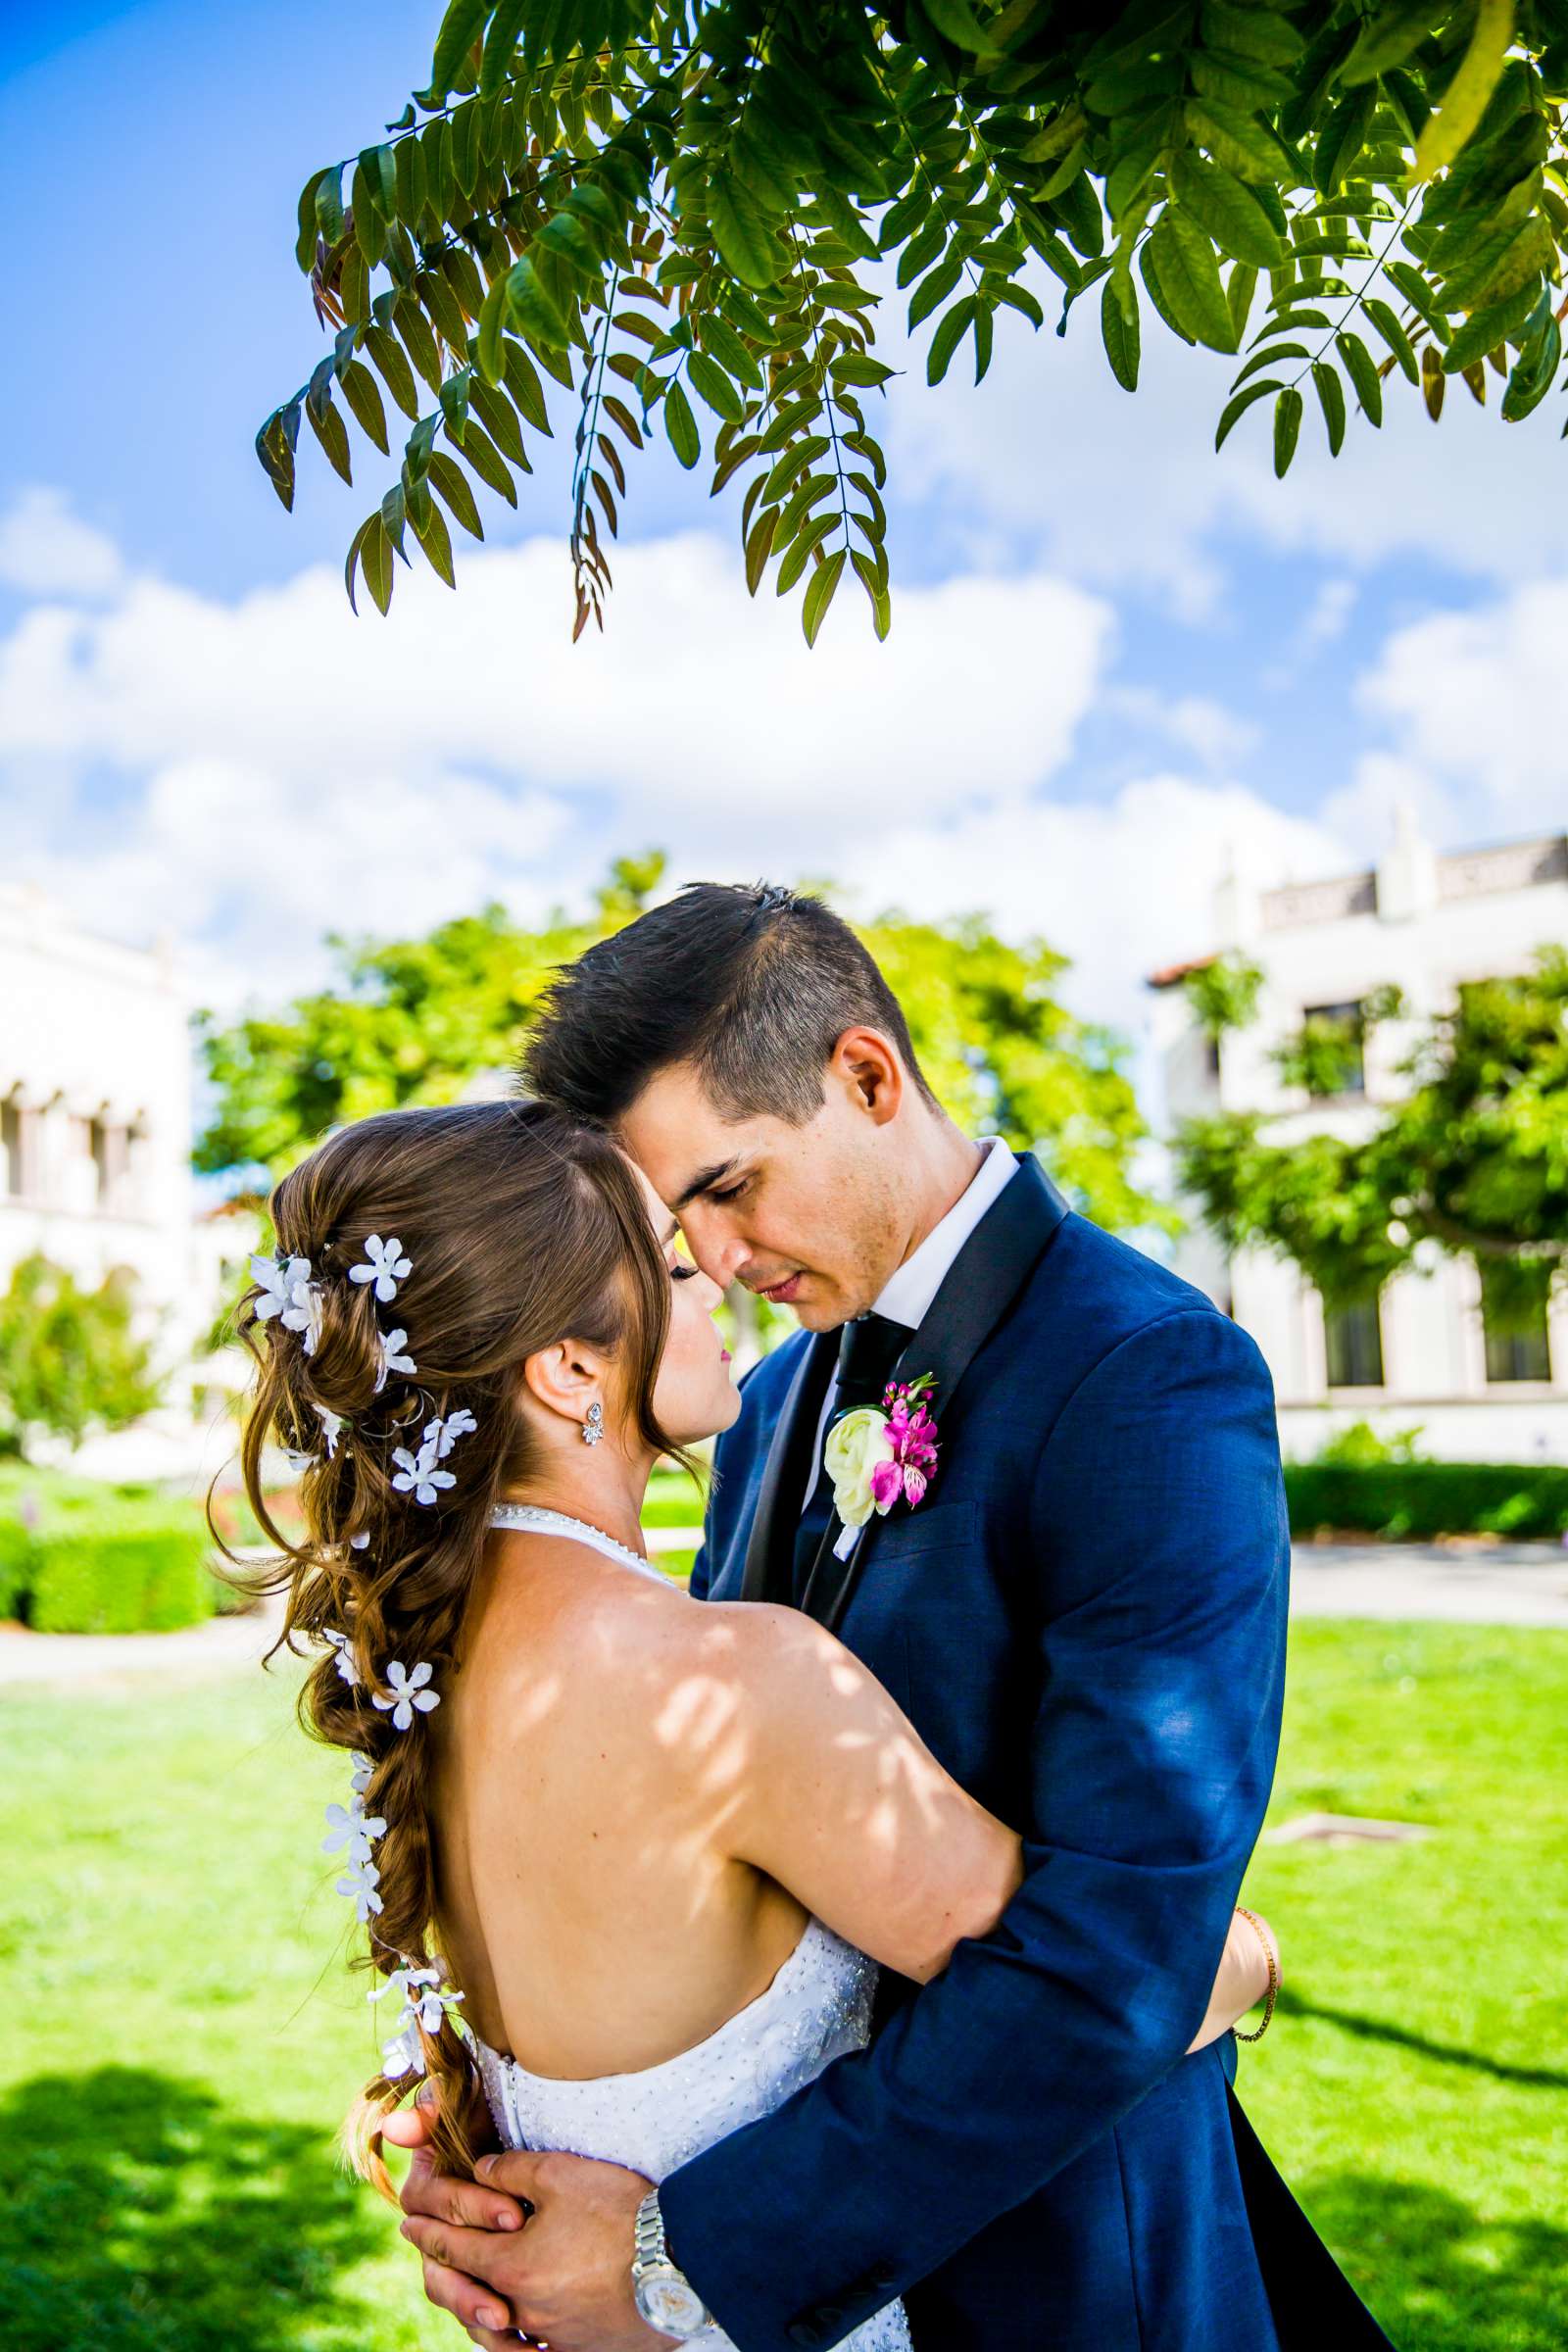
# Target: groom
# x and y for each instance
(1084, 1618)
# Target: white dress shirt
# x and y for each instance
(911, 1292)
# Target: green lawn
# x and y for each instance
(183, 2038)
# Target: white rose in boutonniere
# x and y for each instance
(877, 1459)
(856, 1447)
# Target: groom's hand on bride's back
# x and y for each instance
(565, 2277)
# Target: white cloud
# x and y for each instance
(1328, 616)
(255, 774)
(46, 550)
(1218, 737)
(1474, 703)
(694, 699)
(1050, 458)
(1122, 886)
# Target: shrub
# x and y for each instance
(71, 1360)
(1359, 1446)
(16, 1557)
(119, 1568)
(1423, 1499)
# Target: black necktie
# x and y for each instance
(869, 1350)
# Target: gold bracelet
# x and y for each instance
(1266, 1942)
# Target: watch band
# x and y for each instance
(656, 2276)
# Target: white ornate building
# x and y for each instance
(95, 1112)
(1423, 1356)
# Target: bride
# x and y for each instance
(628, 1862)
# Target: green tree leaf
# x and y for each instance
(1226, 207)
(1287, 428)
(819, 594)
(1464, 101)
(954, 324)
(376, 561)
(530, 306)
(1189, 277)
(1240, 404)
(449, 478)
(365, 401)
(484, 455)
(436, 540)
(709, 381)
(460, 29)
(1387, 322)
(1331, 399)
(681, 426)
(333, 435)
(743, 232)
(1118, 329)
(1362, 371)
(1499, 322)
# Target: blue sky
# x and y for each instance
(1117, 662)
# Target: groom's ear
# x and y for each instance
(866, 1068)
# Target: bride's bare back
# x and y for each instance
(638, 1798)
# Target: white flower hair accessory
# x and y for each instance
(418, 1475)
(333, 1427)
(444, 1434)
(364, 1772)
(360, 1882)
(408, 1693)
(279, 1279)
(428, 2002)
(391, 1357)
(347, 1665)
(384, 1266)
(350, 1830)
(288, 1292)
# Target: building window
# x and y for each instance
(11, 1146)
(18, 1137)
(1518, 1349)
(1354, 1341)
(1334, 1055)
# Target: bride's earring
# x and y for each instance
(593, 1429)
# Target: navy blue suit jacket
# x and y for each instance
(1085, 1620)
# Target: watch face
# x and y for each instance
(667, 2302)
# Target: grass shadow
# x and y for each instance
(1439, 2277)
(138, 2212)
(1377, 2028)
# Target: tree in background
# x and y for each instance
(71, 1360)
(671, 210)
(423, 1021)
(1473, 1161)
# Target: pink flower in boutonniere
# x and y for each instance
(911, 1434)
(877, 1457)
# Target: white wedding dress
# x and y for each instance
(817, 2007)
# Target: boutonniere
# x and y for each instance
(874, 1456)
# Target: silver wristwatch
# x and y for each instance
(665, 2297)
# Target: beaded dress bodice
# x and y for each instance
(817, 2007)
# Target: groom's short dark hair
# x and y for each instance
(752, 986)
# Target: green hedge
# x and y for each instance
(108, 1564)
(1422, 1500)
(15, 1553)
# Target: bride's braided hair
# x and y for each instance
(522, 1228)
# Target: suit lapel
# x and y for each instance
(981, 1284)
(769, 1573)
